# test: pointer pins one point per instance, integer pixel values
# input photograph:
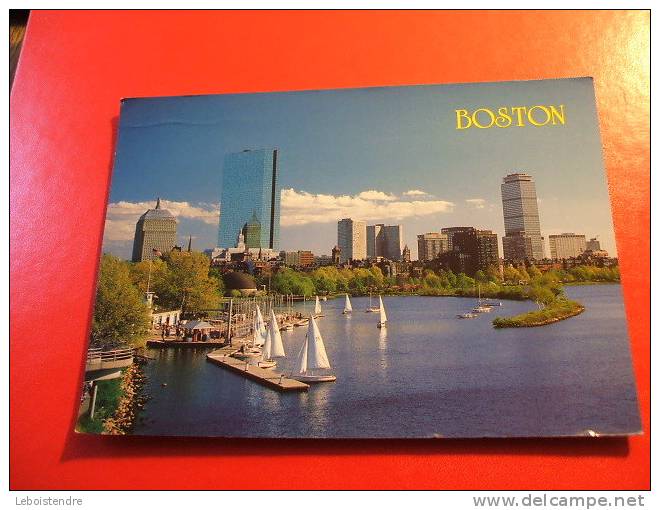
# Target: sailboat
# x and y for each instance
(371, 309)
(481, 308)
(317, 308)
(383, 317)
(288, 326)
(312, 357)
(259, 325)
(273, 347)
(253, 348)
(347, 306)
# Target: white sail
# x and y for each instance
(347, 305)
(383, 316)
(258, 337)
(301, 362)
(276, 347)
(260, 324)
(316, 355)
(317, 306)
(267, 348)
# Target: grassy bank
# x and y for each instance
(108, 395)
(558, 310)
(130, 403)
(118, 402)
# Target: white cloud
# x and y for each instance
(415, 193)
(122, 216)
(477, 203)
(301, 207)
(372, 194)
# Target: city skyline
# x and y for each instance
(408, 165)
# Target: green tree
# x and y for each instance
(120, 315)
(493, 274)
(542, 295)
(148, 273)
(216, 276)
(511, 275)
(187, 283)
(480, 276)
(533, 271)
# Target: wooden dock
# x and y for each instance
(269, 378)
(181, 344)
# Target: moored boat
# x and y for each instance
(273, 347)
(312, 357)
(372, 309)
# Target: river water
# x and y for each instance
(427, 374)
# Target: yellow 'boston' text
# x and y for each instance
(511, 116)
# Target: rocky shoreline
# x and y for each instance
(131, 402)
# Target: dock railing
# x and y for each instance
(98, 359)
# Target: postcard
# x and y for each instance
(433, 261)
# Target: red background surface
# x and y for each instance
(74, 69)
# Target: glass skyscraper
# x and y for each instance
(250, 191)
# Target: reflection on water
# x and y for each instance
(425, 374)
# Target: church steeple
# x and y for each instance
(158, 203)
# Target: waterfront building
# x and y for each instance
(431, 244)
(522, 240)
(450, 232)
(241, 252)
(155, 232)
(593, 244)
(323, 260)
(250, 191)
(405, 254)
(384, 241)
(479, 246)
(567, 245)
(300, 258)
(457, 261)
(352, 239)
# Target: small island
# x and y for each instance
(559, 309)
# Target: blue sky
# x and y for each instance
(386, 155)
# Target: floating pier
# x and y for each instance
(269, 378)
(180, 343)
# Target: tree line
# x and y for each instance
(186, 281)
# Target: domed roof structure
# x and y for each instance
(238, 281)
(157, 213)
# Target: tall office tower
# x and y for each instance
(593, 244)
(250, 190)
(431, 244)
(522, 240)
(384, 241)
(567, 245)
(155, 230)
(352, 239)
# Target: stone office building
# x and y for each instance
(155, 231)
